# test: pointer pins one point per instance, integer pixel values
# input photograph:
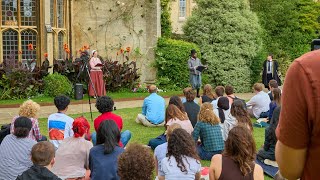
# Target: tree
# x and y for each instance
(227, 33)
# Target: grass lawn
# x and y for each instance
(141, 134)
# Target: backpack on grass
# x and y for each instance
(4, 131)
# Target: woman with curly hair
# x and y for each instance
(174, 115)
(238, 115)
(208, 94)
(237, 160)
(182, 161)
(30, 109)
(209, 130)
(72, 156)
(136, 163)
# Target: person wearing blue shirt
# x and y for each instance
(153, 109)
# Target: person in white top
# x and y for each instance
(59, 124)
(258, 106)
(219, 92)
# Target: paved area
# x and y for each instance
(6, 114)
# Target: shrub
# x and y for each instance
(171, 63)
(56, 84)
(228, 34)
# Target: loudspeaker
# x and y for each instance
(78, 91)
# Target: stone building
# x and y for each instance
(180, 11)
(104, 25)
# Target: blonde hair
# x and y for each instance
(207, 115)
(258, 87)
(171, 128)
(207, 90)
(29, 109)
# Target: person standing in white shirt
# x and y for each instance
(258, 106)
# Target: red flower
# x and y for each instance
(117, 53)
(121, 50)
(86, 47)
(30, 47)
(45, 55)
(68, 51)
(128, 49)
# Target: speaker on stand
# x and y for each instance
(78, 91)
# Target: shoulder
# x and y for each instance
(258, 172)
(216, 159)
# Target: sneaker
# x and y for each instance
(271, 163)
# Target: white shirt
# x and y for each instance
(215, 103)
(259, 103)
(60, 127)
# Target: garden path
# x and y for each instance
(6, 114)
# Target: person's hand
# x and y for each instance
(195, 68)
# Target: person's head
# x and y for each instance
(257, 87)
(207, 115)
(219, 91)
(42, 154)
(104, 104)
(171, 128)
(240, 113)
(136, 163)
(276, 93)
(270, 57)
(175, 100)
(29, 109)
(80, 127)
(153, 89)
(223, 103)
(22, 127)
(273, 84)
(207, 91)
(241, 148)
(181, 144)
(193, 53)
(94, 53)
(108, 134)
(190, 95)
(61, 102)
(173, 112)
(229, 90)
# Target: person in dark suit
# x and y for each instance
(270, 71)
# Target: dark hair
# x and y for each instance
(270, 54)
(273, 83)
(173, 112)
(276, 93)
(61, 102)
(80, 126)
(136, 163)
(22, 127)
(241, 148)
(108, 134)
(229, 90)
(223, 104)
(271, 136)
(240, 113)
(181, 144)
(190, 95)
(42, 153)
(175, 100)
(104, 104)
(219, 91)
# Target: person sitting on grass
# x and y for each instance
(208, 94)
(272, 85)
(72, 156)
(161, 150)
(182, 161)
(15, 150)
(174, 115)
(153, 109)
(136, 163)
(191, 107)
(276, 102)
(42, 156)
(59, 124)
(103, 157)
(237, 160)
(184, 99)
(209, 130)
(230, 94)
(258, 106)
(219, 90)
(105, 105)
(30, 109)
(175, 100)
(223, 110)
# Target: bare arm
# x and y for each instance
(215, 167)
(156, 167)
(258, 173)
(290, 168)
(161, 177)
(197, 176)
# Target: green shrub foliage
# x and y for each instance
(228, 34)
(56, 84)
(171, 63)
(166, 27)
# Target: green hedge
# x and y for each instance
(56, 84)
(171, 63)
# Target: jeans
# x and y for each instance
(44, 138)
(125, 137)
(206, 155)
(264, 114)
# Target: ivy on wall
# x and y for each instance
(166, 28)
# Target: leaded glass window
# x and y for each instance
(10, 44)
(28, 12)
(60, 13)
(60, 45)
(9, 12)
(182, 8)
(52, 13)
(28, 37)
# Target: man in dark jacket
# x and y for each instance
(270, 71)
(42, 156)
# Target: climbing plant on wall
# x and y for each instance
(166, 27)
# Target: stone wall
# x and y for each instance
(176, 21)
(109, 25)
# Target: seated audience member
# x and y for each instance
(175, 116)
(191, 107)
(161, 150)
(59, 124)
(276, 94)
(136, 163)
(272, 84)
(209, 131)
(237, 160)
(230, 94)
(182, 161)
(72, 156)
(30, 109)
(219, 92)
(259, 103)
(175, 100)
(103, 158)
(153, 109)
(105, 105)
(15, 150)
(42, 156)
(238, 115)
(270, 140)
(223, 109)
(184, 99)
(208, 94)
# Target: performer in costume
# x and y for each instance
(270, 71)
(96, 76)
(195, 75)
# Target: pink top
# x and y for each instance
(185, 124)
(93, 62)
